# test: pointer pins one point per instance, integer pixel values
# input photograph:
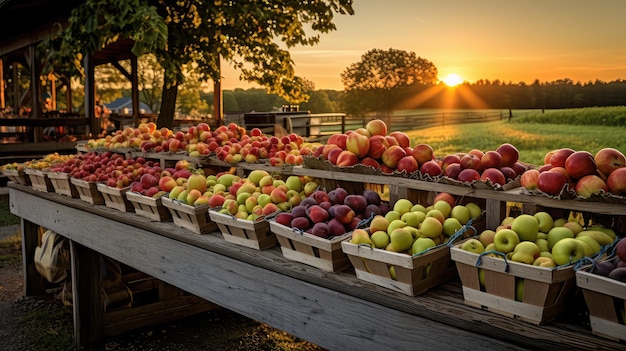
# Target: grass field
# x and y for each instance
(533, 140)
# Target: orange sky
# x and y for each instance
(515, 41)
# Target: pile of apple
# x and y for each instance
(498, 166)
(614, 267)
(579, 171)
(49, 161)
(333, 213)
(415, 228)
(541, 240)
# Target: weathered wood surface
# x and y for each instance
(333, 310)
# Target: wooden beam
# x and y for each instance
(134, 80)
(90, 93)
(218, 105)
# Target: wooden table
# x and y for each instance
(334, 310)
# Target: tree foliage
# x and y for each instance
(253, 36)
(376, 83)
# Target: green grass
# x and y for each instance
(599, 116)
(533, 140)
(6, 217)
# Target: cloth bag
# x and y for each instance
(52, 259)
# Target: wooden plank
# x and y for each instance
(87, 303)
(34, 283)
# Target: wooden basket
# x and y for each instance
(17, 176)
(194, 218)
(39, 180)
(253, 234)
(546, 292)
(116, 197)
(62, 184)
(414, 275)
(149, 207)
(606, 300)
(88, 191)
(325, 254)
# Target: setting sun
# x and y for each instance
(452, 80)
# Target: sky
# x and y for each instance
(512, 41)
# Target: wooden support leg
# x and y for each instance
(34, 283)
(495, 212)
(88, 307)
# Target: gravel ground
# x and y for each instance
(44, 323)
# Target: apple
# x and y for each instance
(580, 164)
(461, 213)
(557, 234)
(380, 239)
(616, 181)
(197, 181)
(407, 164)
(447, 197)
(431, 168)
(620, 249)
(338, 140)
(494, 175)
(378, 145)
(402, 138)
(392, 156)
(566, 251)
(452, 171)
(526, 227)
(543, 244)
(530, 179)
(509, 173)
(468, 175)
(450, 226)
(473, 245)
(413, 219)
(423, 152)
(505, 240)
(167, 183)
(525, 252)
(509, 154)
(431, 227)
(449, 160)
(347, 158)
(590, 185)
(421, 245)
(400, 239)
(559, 156)
(358, 144)
(551, 183)
(376, 127)
(378, 223)
(491, 159)
(544, 220)
(487, 236)
(609, 159)
(471, 161)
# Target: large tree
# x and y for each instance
(379, 81)
(252, 35)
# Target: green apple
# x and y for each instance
(595, 246)
(542, 235)
(443, 206)
(543, 261)
(421, 245)
(413, 218)
(451, 225)
(402, 205)
(473, 245)
(431, 227)
(519, 289)
(481, 278)
(486, 236)
(526, 227)
(557, 233)
(264, 199)
(567, 250)
(505, 240)
(294, 183)
(545, 254)
(418, 207)
(543, 245)
(401, 239)
(545, 221)
(525, 252)
(462, 213)
(392, 215)
(380, 239)
(559, 222)
(587, 249)
(436, 214)
(475, 210)
(507, 220)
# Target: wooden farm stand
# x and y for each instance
(332, 310)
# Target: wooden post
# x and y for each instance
(35, 85)
(134, 90)
(218, 104)
(2, 101)
(34, 283)
(90, 96)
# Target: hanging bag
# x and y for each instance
(52, 258)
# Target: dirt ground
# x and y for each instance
(44, 323)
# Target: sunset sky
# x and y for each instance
(512, 41)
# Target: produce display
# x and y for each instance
(615, 266)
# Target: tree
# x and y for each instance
(248, 34)
(376, 83)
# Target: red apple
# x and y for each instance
(327, 149)
(559, 156)
(491, 159)
(450, 159)
(609, 159)
(450, 199)
(391, 140)
(167, 183)
(338, 139)
(551, 182)
(519, 168)
(616, 181)
(376, 127)
(378, 145)
(468, 175)
(408, 164)
(358, 144)
(548, 157)
(423, 153)
(368, 161)
(477, 152)
(452, 171)
(509, 154)
(580, 164)
(545, 168)
(471, 161)
(529, 179)
(509, 173)
(590, 185)
(494, 174)
(402, 138)
(347, 158)
(431, 168)
(392, 155)
(333, 155)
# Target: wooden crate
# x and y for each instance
(194, 218)
(62, 184)
(606, 300)
(17, 176)
(253, 234)
(39, 180)
(116, 197)
(547, 292)
(414, 275)
(88, 191)
(325, 254)
(149, 207)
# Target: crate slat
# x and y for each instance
(17, 176)
(116, 198)
(193, 218)
(88, 191)
(62, 184)
(253, 234)
(149, 207)
(39, 180)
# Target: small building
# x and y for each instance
(124, 106)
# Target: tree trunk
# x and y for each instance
(168, 106)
